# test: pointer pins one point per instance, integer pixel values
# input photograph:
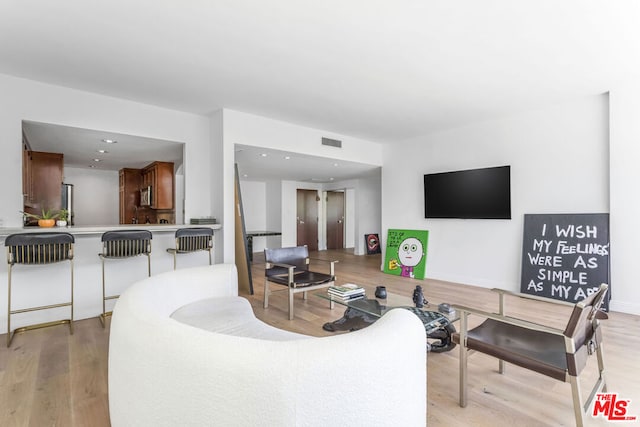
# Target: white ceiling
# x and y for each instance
(259, 164)
(81, 147)
(375, 69)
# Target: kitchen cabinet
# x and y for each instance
(41, 180)
(159, 175)
(130, 181)
(160, 178)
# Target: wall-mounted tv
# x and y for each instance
(475, 193)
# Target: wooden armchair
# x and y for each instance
(559, 354)
(290, 267)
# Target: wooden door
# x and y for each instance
(307, 219)
(335, 219)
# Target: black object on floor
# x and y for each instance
(439, 333)
(352, 320)
(438, 340)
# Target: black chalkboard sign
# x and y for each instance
(565, 256)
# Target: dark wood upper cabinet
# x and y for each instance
(159, 175)
(42, 180)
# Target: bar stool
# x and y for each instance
(38, 249)
(122, 244)
(192, 240)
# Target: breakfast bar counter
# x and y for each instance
(99, 229)
(36, 285)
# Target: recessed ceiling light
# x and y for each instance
(264, 154)
(97, 160)
(330, 179)
(102, 151)
(244, 175)
(335, 164)
(110, 141)
(287, 157)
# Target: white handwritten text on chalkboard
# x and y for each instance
(565, 256)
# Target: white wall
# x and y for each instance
(625, 200)
(350, 217)
(29, 100)
(254, 207)
(253, 204)
(248, 129)
(273, 210)
(368, 211)
(96, 196)
(559, 164)
(221, 190)
(179, 203)
(262, 211)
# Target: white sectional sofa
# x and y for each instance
(185, 350)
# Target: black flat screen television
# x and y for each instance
(475, 193)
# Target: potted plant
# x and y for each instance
(47, 219)
(63, 217)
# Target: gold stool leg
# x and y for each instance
(71, 321)
(11, 334)
(9, 308)
(104, 297)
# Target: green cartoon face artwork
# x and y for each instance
(410, 254)
(406, 253)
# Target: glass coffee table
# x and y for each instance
(362, 312)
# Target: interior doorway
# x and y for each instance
(307, 218)
(335, 219)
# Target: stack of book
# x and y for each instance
(346, 292)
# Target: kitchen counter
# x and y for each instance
(99, 229)
(37, 285)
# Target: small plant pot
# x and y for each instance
(46, 222)
(61, 223)
(381, 292)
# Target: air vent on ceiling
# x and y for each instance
(331, 142)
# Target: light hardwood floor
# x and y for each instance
(51, 378)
